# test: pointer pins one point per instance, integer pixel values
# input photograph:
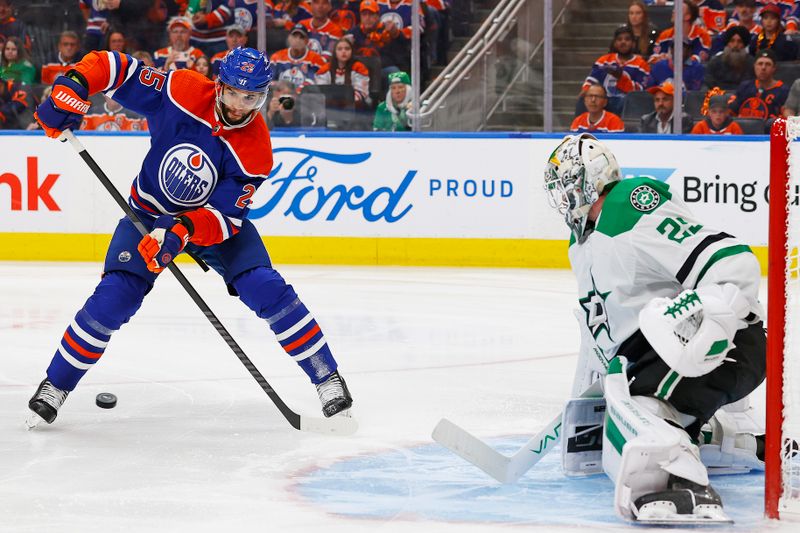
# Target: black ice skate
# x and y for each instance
(683, 502)
(334, 396)
(45, 403)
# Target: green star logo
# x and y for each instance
(644, 198)
(594, 305)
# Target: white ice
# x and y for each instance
(195, 445)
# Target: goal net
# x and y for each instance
(782, 476)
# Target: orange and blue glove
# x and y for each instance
(64, 108)
(167, 239)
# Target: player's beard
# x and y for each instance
(232, 118)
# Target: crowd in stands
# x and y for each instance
(346, 63)
(740, 70)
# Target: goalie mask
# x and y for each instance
(577, 173)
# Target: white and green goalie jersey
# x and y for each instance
(647, 244)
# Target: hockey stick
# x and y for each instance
(501, 467)
(339, 425)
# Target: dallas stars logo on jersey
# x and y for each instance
(594, 305)
(644, 198)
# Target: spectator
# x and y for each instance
(660, 120)
(792, 106)
(66, 56)
(372, 38)
(16, 105)
(718, 119)
(96, 16)
(644, 32)
(699, 37)
(772, 36)
(396, 16)
(729, 68)
(619, 72)
(322, 31)
(107, 115)
(277, 115)
(693, 70)
(179, 54)
(116, 42)
(245, 15)
(344, 69)
(597, 119)
(346, 15)
(764, 96)
(713, 15)
(203, 66)
(290, 12)
(297, 63)
(391, 114)
(745, 16)
(144, 57)
(14, 62)
(210, 27)
(10, 26)
(236, 37)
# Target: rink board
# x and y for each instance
(381, 199)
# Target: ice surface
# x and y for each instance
(195, 445)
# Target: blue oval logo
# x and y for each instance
(186, 175)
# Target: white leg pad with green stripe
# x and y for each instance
(640, 449)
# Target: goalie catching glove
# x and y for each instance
(694, 331)
(168, 238)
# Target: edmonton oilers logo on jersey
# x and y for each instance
(186, 175)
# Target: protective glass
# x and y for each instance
(241, 100)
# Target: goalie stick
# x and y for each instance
(501, 467)
(339, 425)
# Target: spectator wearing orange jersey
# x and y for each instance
(290, 12)
(712, 14)
(772, 36)
(699, 38)
(235, 37)
(16, 105)
(179, 54)
(322, 31)
(344, 69)
(718, 119)
(107, 115)
(619, 72)
(597, 119)
(67, 55)
(372, 38)
(345, 14)
(297, 63)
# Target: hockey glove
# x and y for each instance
(160, 246)
(64, 108)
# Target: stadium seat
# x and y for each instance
(751, 126)
(694, 103)
(787, 72)
(637, 103)
(312, 110)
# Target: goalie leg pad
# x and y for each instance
(729, 443)
(640, 449)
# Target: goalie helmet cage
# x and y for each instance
(782, 476)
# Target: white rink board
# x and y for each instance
(428, 186)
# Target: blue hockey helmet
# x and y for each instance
(249, 73)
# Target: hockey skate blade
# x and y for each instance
(33, 420)
(336, 425)
(472, 450)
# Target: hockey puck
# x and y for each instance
(106, 400)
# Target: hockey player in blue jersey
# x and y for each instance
(210, 151)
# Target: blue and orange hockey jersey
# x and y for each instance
(713, 15)
(300, 71)
(323, 39)
(753, 101)
(196, 165)
(608, 123)
(699, 40)
(634, 73)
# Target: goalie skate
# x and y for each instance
(683, 503)
(45, 404)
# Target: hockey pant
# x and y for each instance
(702, 396)
(119, 295)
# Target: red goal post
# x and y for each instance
(782, 475)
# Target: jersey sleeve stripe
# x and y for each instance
(688, 265)
(113, 69)
(223, 224)
(721, 254)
